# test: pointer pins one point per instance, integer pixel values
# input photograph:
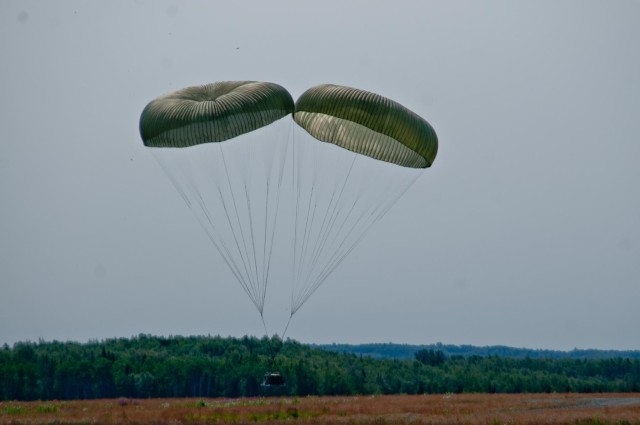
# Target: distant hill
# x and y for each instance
(405, 352)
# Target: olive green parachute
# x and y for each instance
(232, 188)
(351, 157)
(212, 113)
(368, 124)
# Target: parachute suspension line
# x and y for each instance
(336, 251)
(307, 290)
(307, 231)
(275, 217)
(210, 230)
(296, 176)
(343, 251)
(375, 215)
(300, 262)
(265, 263)
(253, 245)
(304, 236)
(310, 217)
(298, 187)
(323, 237)
(352, 227)
(314, 255)
(295, 189)
(246, 285)
(264, 324)
(393, 201)
(287, 325)
(172, 178)
(226, 253)
(246, 183)
(254, 293)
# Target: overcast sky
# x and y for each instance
(525, 232)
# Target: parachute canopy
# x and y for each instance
(212, 113)
(368, 124)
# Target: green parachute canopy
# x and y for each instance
(368, 124)
(212, 113)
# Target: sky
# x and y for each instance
(525, 231)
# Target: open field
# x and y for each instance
(581, 409)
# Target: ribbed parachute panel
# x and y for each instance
(368, 124)
(358, 138)
(212, 113)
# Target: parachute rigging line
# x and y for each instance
(327, 230)
(338, 258)
(277, 207)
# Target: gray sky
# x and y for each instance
(525, 232)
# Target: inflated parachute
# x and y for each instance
(368, 124)
(223, 147)
(212, 113)
(373, 150)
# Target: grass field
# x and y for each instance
(579, 409)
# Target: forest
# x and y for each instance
(212, 366)
(406, 351)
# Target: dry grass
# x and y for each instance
(472, 409)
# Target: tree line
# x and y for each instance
(406, 351)
(205, 366)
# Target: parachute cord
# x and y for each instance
(275, 217)
(305, 245)
(265, 263)
(235, 237)
(313, 198)
(226, 255)
(308, 291)
(172, 178)
(323, 237)
(300, 261)
(400, 195)
(210, 230)
(233, 198)
(264, 324)
(377, 214)
(374, 215)
(287, 326)
(296, 183)
(253, 240)
(337, 259)
(304, 236)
